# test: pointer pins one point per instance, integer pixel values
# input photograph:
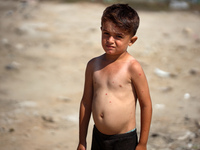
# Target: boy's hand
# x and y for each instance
(141, 147)
(81, 147)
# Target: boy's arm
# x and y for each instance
(85, 108)
(143, 95)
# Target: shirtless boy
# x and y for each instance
(114, 82)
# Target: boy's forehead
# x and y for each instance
(111, 27)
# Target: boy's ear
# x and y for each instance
(133, 39)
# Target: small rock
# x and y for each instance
(28, 104)
(4, 41)
(64, 99)
(187, 135)
(189, 145)
(166, 89)
(72, 118)
(155, 135)
(13, 66)
(197, 123)
(193, 71)
(187, 31)
(186, 118)
(48, 119)
(19, 46)
(186, 96)
(163, 74)
(11, 130)
(159, 106)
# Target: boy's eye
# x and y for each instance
(106, 33)
(119, 36)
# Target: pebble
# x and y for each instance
(193, 71)
(72, 118)
(159, 106)
(28, 104)
(48, 119)
(5, 41)
(13, 66)
(187, 135)
(64, 99)
(11, 130)
(189, 145)
(197, 123)
(186, 96)
(163, 74)
(19, 46)
(166, 89)
(155, 135)
(187, 31)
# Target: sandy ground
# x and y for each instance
(44, 49)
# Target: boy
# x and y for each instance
(113, 83)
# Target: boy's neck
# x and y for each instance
(112, 58)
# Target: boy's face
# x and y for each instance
(115, 40)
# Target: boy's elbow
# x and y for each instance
(86, 104)
(147, 105)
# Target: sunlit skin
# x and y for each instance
(114, 82)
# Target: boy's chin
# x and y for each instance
(110, 53)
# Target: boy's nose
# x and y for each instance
(110, 39)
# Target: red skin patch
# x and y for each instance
(140, 74)
(120, 85)
(106, 94)
(109, 101)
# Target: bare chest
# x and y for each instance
(112, 77)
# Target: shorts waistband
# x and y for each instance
(115, 136)
(131, 130)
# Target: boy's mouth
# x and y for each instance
(110, 47)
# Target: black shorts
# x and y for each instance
(126, 141)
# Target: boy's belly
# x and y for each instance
(113, 115)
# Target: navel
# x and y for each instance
(101, 115)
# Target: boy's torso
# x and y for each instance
(114, 99)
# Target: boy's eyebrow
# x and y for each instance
(118, 33)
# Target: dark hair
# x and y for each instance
(123, 16)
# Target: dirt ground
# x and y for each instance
(44, 48)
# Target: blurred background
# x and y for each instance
(45, 46)
(152, 4)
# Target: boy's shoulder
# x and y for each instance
(133, 65)
(94, 62)
(136, 70)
